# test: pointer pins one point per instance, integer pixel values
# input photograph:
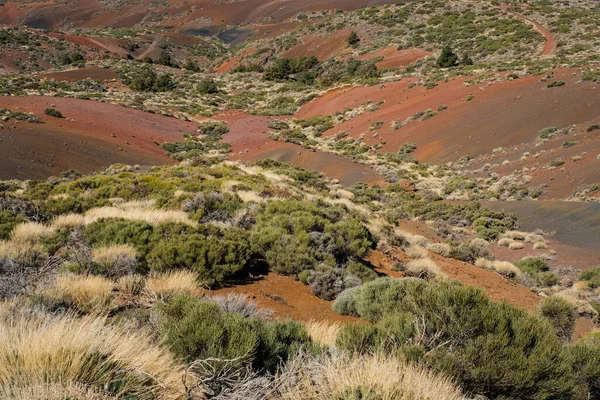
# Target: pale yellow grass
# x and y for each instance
(63, 350)
(505, 242)
(516, 246)
(506, 269)
(31, 232)
(88, 293)
(250, 196)
(111, 254)
(51, 391)
(385, 377)
(151, 216)
(424, 268)
(416, 252)
(323, 332)
(172, 283)
(22, 253)
(68, 221)
(442, 249)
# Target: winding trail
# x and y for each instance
(550, 46)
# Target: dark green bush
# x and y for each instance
(8, 220)
(214, 257)
(560, 314)
(199, 329)
(532, 265)
(583, 357)
(592, 275)
(53, 112)
(491, 348)
(448, 58)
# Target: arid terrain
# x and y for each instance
(253, 193)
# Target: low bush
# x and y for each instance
(498, 350)
(198, 329)
(592, 276)
(53, 112)
(561, 315)
(532, 265)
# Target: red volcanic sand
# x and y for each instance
(95, 73)
(229, 65)
(92, 136)
(288, 298)
(321, 46)
(394, 58)
(501, 114)
(249, 142)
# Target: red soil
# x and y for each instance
(288, 298)
(92, 136)
(231, 64)
(505, 113)
(321, 46)
(115, 46)
(250, 143)
(394, 58)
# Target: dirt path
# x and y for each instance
(150, 48)
(550, 46)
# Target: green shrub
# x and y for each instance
(353, 39)
(532, 265)
(592, 275)
(207, 86)
(555, 84)
(448, 58)
(214, 258)
(53, 112)
(560, 314)
(547, 132)
(583, 357)
(199, 329)
(492, 349)
(8, 220)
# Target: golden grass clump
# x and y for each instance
(415, 252)
(516, 246)
(338, 377)
(31, 232)
(172, 283)
(111, 254)
(441, 249)
(323, 332)
(151, 216)
(87, 293)
(52, 391)
(506, 269)
(83, 354)
(424, 268)
(505, 242)
(68, 221)
(28, 254)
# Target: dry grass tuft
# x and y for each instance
(52, 391)
(442, 249)
(383, 377)
(424, 268)
(505, 242)
(516, 246)
(87, 293)
(415, 252)
(139, 213)
(68, 221)
(26, 254)
(506, 269)
(113, 254)
(172, 283)
(323, 332)
(540, 246)
(63, 351)
(31, 232)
